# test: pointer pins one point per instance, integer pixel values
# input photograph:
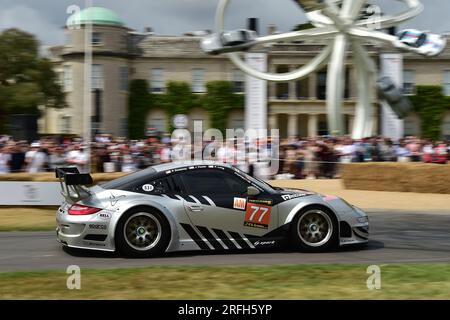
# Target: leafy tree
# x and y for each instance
(431, 104)
(219, 100)
(26, 79)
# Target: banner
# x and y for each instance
(392, 67)
(256, 94)
(25, 193)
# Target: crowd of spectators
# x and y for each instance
(298, 158)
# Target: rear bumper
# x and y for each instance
(84, 232)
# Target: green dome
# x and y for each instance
(96, 15)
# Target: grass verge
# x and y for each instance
(398, 281)
(27, 218)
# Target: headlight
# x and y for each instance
(364, 219)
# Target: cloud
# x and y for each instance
(32, 21)
(174, 17)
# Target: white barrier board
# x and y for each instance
(27, 193)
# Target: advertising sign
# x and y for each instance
(256, 94)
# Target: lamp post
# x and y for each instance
(87, 102)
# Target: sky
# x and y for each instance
(46, 18)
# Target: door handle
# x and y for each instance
(195, 207)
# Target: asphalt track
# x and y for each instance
(395, 237)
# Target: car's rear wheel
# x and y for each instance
(142, 232)
(314, 230)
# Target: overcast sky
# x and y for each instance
(45, 18)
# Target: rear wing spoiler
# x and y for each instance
(74, 185)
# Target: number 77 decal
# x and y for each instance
(257, 216)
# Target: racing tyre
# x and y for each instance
(314, 229)
(142, 233)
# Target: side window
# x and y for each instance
(213, 181)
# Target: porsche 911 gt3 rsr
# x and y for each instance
(200, 206)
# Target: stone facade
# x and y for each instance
(121, 55)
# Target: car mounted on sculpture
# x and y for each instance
(229, 41)
(428, 44)
(199, 206)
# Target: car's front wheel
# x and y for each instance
(314, 230)
(142, 232)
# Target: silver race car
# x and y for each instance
(199, 206)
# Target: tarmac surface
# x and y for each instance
(396, 237)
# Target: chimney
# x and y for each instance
(148, 30)
(253, 24)
(272, 29)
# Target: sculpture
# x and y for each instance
(340, 22)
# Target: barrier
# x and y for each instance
(38, 189)
(400, 177)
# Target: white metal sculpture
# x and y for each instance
(338, 22)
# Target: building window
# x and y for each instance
(446, 84)
(198, 80)
(409, 86)
(66, 124)
(347, 83)
(238, 81)
(124, 78)
(157, 83)
(322, 85)
(97, 76)
(67, 78)
(302, 89)
(282, 88)
(96, 38)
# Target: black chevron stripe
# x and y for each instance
(222, 236)
(237, 237)
(203, 201)
(208, 236)
(194, 235)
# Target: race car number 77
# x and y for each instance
(257, 216)
(257, 209)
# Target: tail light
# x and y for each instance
(81, 210)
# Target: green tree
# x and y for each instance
(430, 104)
(26, 79)
(219, 100)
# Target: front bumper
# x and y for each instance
(84, 232)
(354, 227)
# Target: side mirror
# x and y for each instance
(252, 191)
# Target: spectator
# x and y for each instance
(5, 159)
(38, 161)
(78, 158)
(17, 158)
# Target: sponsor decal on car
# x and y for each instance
(148, 187)
(264, 243)
(286, 197)
(267, 202)
(330, 198)
(114, 200)
(239, 203)
(97, 226)
(257, 216)
(104, 216)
